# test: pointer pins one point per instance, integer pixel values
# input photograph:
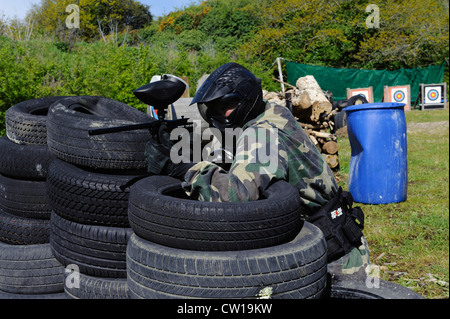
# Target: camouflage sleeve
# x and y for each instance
(207, 182)
(257, 163)
(271, 148)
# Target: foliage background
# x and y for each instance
(40, 57)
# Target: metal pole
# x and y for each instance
(280, 73)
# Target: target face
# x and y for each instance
(398, 94)
(432, 94)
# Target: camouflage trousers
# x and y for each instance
(354, 263)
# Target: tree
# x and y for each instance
(411, 34)
(334, 33)
(224, 22)
(107, 15)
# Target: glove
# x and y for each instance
(157, 155)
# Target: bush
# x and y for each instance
(196, 40)
(35, 69)
(17, 74)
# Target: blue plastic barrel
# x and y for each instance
(379, 163)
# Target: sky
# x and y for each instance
(19, 8)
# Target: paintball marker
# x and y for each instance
(160, 95)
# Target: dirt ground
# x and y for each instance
(430, 127)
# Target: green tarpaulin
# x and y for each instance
(337, 80)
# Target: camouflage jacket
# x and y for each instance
(271, 147)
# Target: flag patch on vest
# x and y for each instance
(336, 213)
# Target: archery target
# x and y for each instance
(398, 94)
(366, 92)
(433, 94)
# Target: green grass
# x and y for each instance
(409, 241)
(426, 116)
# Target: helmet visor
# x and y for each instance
(222, 105)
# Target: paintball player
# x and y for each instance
(231, 98)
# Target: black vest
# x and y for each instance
(341, 224)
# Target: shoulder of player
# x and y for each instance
(275, 115)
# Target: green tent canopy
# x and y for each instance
(337, 80)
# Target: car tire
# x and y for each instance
(346, 287)
(296, 269)
(30, 270)
(69, 121)
(15, 230)
(24, 198)
(88, 287)
(87, 197)
(54, 296)
(26, 122)
(24, 161)
(340, 119)
(159, 211)
(98, 251)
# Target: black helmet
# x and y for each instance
(230, 86)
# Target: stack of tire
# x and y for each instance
(28, 269)
(183, 248)
(88, 188)
(340, 119)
